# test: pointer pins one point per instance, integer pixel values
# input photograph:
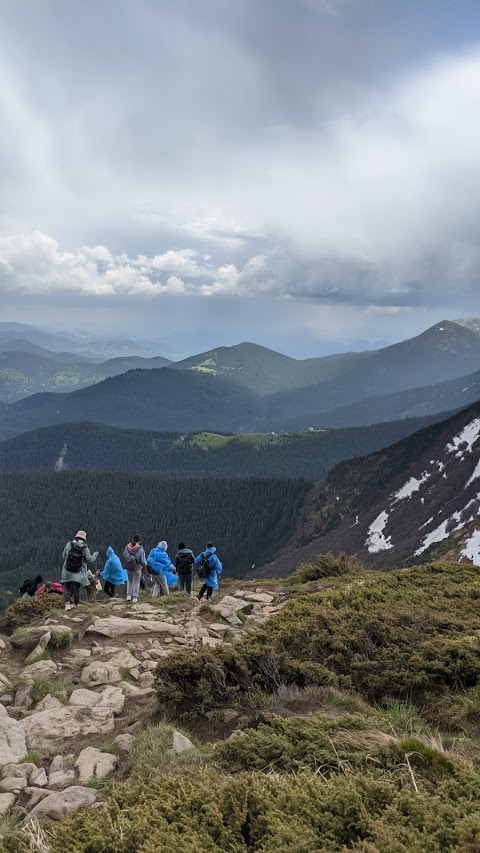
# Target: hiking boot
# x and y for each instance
(198, 597)
(128, 599)
(68, 607)
(135, 601)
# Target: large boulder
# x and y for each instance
(50, 732)
(124, 660)
(111, 697)
(43, 668)
(117, 626)
(6, 803)
(39, 649)
(93, 764)
(97, 673)
(57, 805)
(229, 606)
(12, 739)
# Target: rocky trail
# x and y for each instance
(77, 686)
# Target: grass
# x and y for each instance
(44, 686)
(60, 639)
(152, 751)
(32, 758)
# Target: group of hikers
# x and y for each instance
(134, 568)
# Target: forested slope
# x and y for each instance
(96, 447)
(39, 513)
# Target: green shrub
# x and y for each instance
(254, 813)
(26, 610)
(324, 566)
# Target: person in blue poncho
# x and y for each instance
(113, 574)
(161, 569)
(208, 562)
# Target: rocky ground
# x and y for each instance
(77, 686)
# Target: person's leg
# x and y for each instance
(136, 585)
(129, 584)
(181, 583)
(109, 589)
(188, 584)
(90, 590)
(163, 585)
(76, 592)
(202, 591)
(209, 592)
(67, 593)
(156, 586)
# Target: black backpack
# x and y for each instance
(184, 564)
(74, 558)
(204, 568)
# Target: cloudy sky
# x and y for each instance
(303, 173)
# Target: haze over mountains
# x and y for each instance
(246, 387)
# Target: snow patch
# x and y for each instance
(437, 535)
(426, 523)
(475, 474)
(376, 541)
(468, 436)
(412, 485)
(60, 462)
(472, 548)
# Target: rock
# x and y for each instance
(61, 779)
(38, 778)
(123, 660)
(35, 795)
(49, 703)
(80, 653)
(116, 626)
(6, 683)
(23, 695)
(124, 742)
(7, 699)
(39, 648)
(259, 597)
(55, 806)
(149, 666)
(3, 645)
(22, 771)
(13, 784)
(135, 673)
(147, 678)
(6, 803)
(44, 668)
(112, 698)
(84, 698)
(94, 764)
(218, 628)
(230, 604)
(49, 731)
(182, 641)
(12, 739)
(180, 743)
(97, 673)
(211, 642)
(130, 690)
(56, 765)
(28, 637)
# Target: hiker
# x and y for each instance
(50, 586)
(161, 569)
(133, 562)
(184, 566)
(209, 568)
(29, 586)
(76, 557)
(113, 574)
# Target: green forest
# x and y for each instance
(248, 519)
(95, 447)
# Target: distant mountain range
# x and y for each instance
(95, 447)
(248, 388)
(416, 501)
(25, 373)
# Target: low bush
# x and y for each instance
(255, 813)
(324, 566)
(26, 610)
(152, 751)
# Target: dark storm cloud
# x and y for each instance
(277, 149)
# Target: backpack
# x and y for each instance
(184, 564)
(26, 586)
(130, 561)
(74, 559)
(204, 568)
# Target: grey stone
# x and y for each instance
(56, 764)
(180, 743)
(22, 771)
(259, 597)
(12, 739)
(6, 683)
(131, 690)
(38, 778)
(23, 697)
(6, 699)
(124, 742)
(49, 731)
(211, 642)
(6, 803)
(39, 649)
(123, 660)
(13, 784)
(116, 626)
(94, 764)
(49, 703)
(34, 795)
(97, 673)
(44, 668)
(61, 779)
(56, 805)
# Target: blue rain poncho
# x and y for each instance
(114, 571)
(214, 564)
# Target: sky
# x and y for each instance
(300, 173)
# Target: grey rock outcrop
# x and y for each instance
(12, 739)
(57, 805)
